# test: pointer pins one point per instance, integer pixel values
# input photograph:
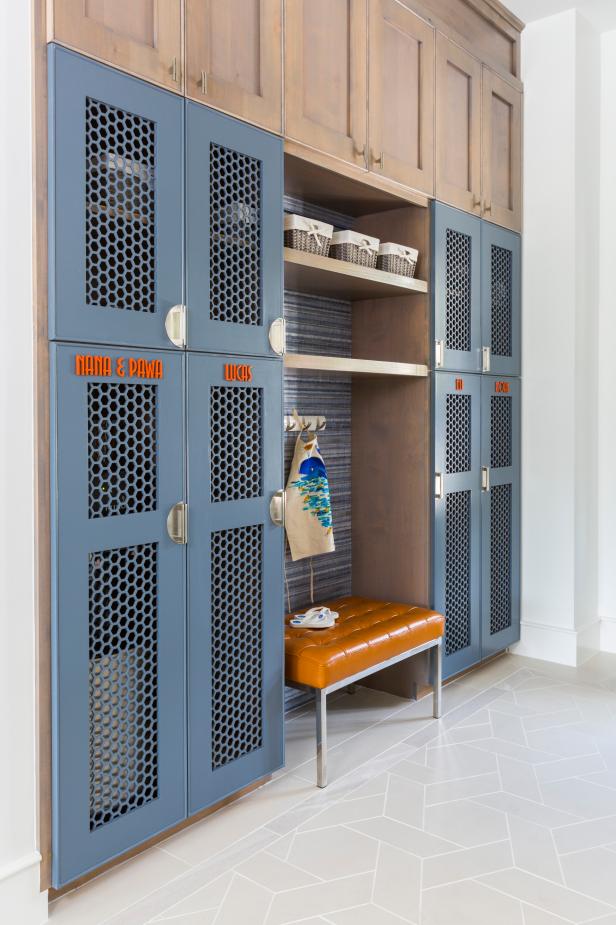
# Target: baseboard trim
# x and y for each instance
(20, 897)
(559, 644)
(608, 634)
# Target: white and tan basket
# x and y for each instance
(355, 248)
(307, 234)
(398, 259)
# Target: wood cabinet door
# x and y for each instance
(501, 152)
(458, 126)
(325, 76)
(234, 58)
(401, 105)
(143, 37)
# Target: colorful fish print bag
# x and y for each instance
(308, 508)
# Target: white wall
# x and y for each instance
(20, 901)
(560, 619)
(607, 338)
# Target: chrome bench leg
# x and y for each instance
(321, 705)
(437, 678)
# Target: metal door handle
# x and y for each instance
(278, 336)
(175, 325)
(485, 478)
(439, 354)
(277, 507)
(177, 523)
(438, 486)
(486, 359)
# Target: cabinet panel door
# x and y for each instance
(116, 218)
(325, 76)
(233, 233)
(501, 152)
(118, 603)
(143, 37)
(401, 107)
(458, 126)
(456, 287)
(235, 653)
(500, 513)
(500, 298)
(234, 58)
(457, 517)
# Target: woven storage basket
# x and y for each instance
(398, 259)
(355, 248)
(307, 234)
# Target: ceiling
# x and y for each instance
(602, 13)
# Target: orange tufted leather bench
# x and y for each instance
(368, 636)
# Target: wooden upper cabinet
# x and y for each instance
(401, 106)
(325, 76)
(458, 126)
(501, 152)
(143, 37)
(234, 58)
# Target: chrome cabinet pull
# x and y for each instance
(175, 325)
(177, 523)
(277, 507)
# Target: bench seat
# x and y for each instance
(366, 634)
(369, 635)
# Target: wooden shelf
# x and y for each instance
(348, 366)
(338, 279)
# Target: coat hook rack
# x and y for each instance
(313, 422)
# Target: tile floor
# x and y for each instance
(501, 813)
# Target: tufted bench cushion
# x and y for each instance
(366, 633)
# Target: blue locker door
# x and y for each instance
(500, 298)
(457, 517)
(235, 579)
(118, 619)
(500, 513)
(233, 233)
(456, 287)
(116, 188)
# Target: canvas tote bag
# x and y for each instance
(308, 504)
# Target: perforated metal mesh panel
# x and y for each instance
(122, 681)
(121, 448)
(459, 295)
(237, 642)
(235, 236)
(236, 443)
(458, 571)
(502, 308)
(120, 209)
(501, 446)
(458, 433)
(500, 558)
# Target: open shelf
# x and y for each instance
(325, 276)
(346, 366)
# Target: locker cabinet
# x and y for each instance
(121, 271)
(456, 287)
(500, 514)
(501, 298)
(457, 516)
(234, 233)
(476, 270)
(235, 581)
(476, 536)
(118, 627)
(116, 192)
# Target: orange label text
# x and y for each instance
(87, 364)
(238, 372)
(501, 387)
